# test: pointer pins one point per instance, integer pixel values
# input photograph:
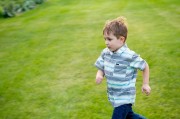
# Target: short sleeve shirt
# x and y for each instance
(120, 69)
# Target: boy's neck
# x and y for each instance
(119, 48)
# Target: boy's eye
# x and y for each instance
(109, 39)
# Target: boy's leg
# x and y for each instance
(132, 115)
(121, 111)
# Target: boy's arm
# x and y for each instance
(146, 88)
(99, 76)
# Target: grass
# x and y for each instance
(47, 56)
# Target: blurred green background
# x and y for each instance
(47, 56)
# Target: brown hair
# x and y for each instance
(117, 26)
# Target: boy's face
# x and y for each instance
(113, 43)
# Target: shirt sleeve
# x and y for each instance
(100, 62)
(138, 62)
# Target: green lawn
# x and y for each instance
(47, 59)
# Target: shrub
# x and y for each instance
(11, 8)
(39, 1)
(28, 4)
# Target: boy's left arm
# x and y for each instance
(145, 87)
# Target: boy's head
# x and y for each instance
(117, 27)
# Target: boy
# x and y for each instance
(119, 65)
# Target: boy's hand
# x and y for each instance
(146, 89)
(99, 79)
(99, 76)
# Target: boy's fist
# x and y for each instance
(146, 89)
(99, 79)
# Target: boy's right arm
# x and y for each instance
(99, 76)
(146, 88)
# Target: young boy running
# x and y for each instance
(119, 65)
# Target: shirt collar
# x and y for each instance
(120, 50)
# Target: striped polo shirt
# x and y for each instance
(120, 69)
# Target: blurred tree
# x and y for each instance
(12, 7)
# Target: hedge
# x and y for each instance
(12, 8)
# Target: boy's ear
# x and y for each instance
(122, 38)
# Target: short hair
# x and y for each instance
(116, 26)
